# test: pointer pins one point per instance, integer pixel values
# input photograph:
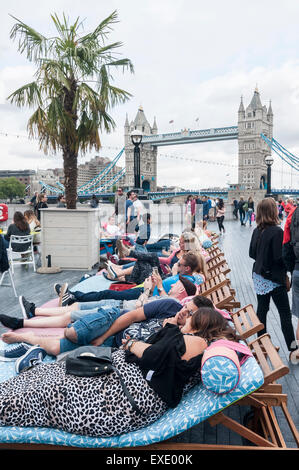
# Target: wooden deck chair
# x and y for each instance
(218, 262)
(214, 250)
(270, 394)
(215, 255)
(263, 432)
(216, 271)
(220, 297)
(214, 283)
(198, 405)
(246, 321)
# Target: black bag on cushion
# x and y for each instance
(91, 361)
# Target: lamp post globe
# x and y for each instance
(269, 162)
(136, 138)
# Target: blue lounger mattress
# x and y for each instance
(195, 407)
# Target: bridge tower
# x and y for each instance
(253, 121)
(148, 153)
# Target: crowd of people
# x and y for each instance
(160, 320)
(156, 322)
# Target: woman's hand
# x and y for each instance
(157, 280)
(125, 341)
(148, 283)
(172, 321)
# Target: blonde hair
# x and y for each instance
(191, 241)
(30, 216)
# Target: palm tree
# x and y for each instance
(72, 93)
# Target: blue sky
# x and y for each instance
(193, 59)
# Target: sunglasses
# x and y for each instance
(189, 311)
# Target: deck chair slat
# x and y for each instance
(261, 359)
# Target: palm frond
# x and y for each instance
(30, 41)
(124, 63)
(27, 95)
(101, 31)
(55, 72)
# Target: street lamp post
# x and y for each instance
(269, 162)
(136, 138)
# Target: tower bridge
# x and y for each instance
(253, 121)
(254, 134)
(186, 136)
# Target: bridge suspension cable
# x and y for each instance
(94, 183)
(282, 152)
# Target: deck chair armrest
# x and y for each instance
(268, 358)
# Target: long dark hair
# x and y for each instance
(210, 325)
(220, 203)
(20, 222)
(266, 213)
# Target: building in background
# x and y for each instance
(89, 170)
(24, 176)
(253, 121)
(148, 161)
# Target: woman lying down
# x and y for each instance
(155, 373)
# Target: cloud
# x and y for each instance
(192, 59)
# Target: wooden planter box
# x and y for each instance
(71, 237)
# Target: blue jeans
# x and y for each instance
(86, 308)
(128, 294)
(89, 327)
(242, 217)
(158, 246)
(6, 242)
(248, 216)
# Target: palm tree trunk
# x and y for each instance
(70, 152)
(70, 159)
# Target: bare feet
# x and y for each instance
(51, 345)
(12, 337)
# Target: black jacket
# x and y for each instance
(266, 249)
(170, 373)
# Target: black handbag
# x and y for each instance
(91, 361)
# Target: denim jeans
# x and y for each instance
(107, 294)
(6, 242)
(242, 216)
(281, 300)
(248, 216)
(153, 247)
(86, 308)
(89, 327)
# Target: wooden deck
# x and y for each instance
(39, 289)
